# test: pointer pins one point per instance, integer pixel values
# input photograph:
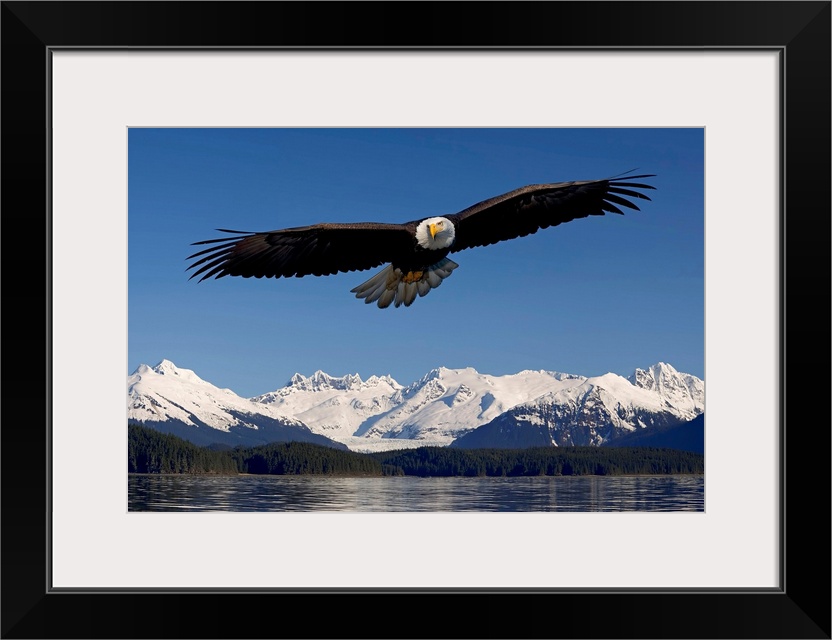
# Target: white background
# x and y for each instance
(98, 95)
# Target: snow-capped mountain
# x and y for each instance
(434, 410)
(441, 407)
(596, 410)
(178, 401)
(681, 390)
(335, 407)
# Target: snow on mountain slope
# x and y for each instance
(447, 403)
(443, 406)
(681, 390)
(178, 401)
(335, 407)
(168, 392)
(597, 410)
(434, 410)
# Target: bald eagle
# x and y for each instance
(415, 252)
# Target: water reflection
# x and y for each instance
(321, 493)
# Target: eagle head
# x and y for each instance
(435, 233)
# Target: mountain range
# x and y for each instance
(446, 407)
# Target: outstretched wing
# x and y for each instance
(523, 211)
(319, 250)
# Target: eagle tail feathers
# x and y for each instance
(375, 287)
(392, 286)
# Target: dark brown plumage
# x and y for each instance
(416, 251)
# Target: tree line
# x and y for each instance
(151, 451)
(542, 461)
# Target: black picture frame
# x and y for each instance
(799, 31)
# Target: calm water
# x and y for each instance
(321, 493)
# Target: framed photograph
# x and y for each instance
(108, 110)
(395, 398)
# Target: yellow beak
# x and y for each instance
(432, 228)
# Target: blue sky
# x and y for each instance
(608, 293)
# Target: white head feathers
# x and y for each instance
(435, 233)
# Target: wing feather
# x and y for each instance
(526, 210)
(321, 249)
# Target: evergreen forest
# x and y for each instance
(151, 451)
